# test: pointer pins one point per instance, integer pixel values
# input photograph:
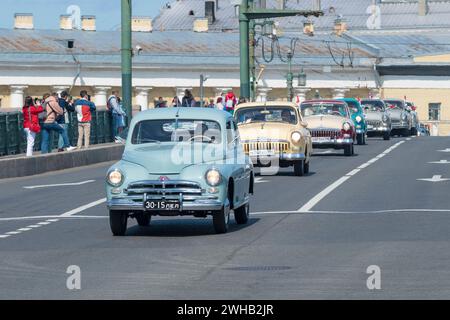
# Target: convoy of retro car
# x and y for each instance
(201, 162)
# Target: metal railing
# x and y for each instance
(13, 139)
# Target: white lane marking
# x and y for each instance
(445, 150)
(24, 229)
(59, 185)
(436, 178)
(316, 199)
(260, 180)
(351, 212)
(440, 162)
(13, 232)
(323, 152)
(34, 226)
(53, 220)
(353, 172)
(408, 139)
(3, 236)
(82, 208)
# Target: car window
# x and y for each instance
(266, 114)
(353, 107)
(230, 131)
(170, 130)
(314, 109)
(394, 104)
(372, 105)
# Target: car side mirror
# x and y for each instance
(304, 124)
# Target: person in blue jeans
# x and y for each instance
(53, 110)
(65, 102)
(117, 114)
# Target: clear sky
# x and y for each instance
(46, 12)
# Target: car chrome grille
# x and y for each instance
(375, 123)
(276, 146)
(162, 188)
(319, 133)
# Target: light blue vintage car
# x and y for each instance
(180, 161)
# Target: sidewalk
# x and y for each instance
(20, 166)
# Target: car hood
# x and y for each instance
(261, 130)
(374, 116)
(172, 158)
(325, 121)
(395, 113)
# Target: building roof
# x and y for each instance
(394, 14)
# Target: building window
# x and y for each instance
(434, 111)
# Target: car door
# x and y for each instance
(240, 172)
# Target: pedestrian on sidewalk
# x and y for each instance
(84, 108)
(188, 99)
(52, 110)
(117, 114)
(219, 103)
(65, 102)
(176, 102)
(230, 101)
(31, 122)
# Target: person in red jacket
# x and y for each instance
(31, 122)
(230, 101)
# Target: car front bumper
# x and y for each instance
(334, 143)
(280, 156)
(135, 204)
(400, 125)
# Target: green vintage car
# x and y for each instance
(358, 117)
(180, 161)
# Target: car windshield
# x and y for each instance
(314, 109)
(182, 130)
(266, 114)
(353, 106)
(372, 105)
(394, 104)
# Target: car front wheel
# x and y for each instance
(387, 135)
(118, 222)
(242, 214)
(221, 220)
(299, 168)
(348, 150)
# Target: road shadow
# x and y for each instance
(284, 173)
(183, 227)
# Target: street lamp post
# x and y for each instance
(290, 77)
(203, 78)
(126, 53)
(247, 13)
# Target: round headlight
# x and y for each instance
(115, 178)
(296, 136)
(358, 119)
(346, 126)
(213, 177)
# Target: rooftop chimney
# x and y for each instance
(23, 21)
(65, 22)
(423, 7)
(88, 23)
(201, 25)
(210, 11)
(141, 24)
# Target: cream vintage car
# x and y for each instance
(330, 124)
(274, 135)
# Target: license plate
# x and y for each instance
(165, 205)
(262, 153)
(321, 139)
(369, 127)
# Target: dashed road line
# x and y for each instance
(59, 185)
(317, 198)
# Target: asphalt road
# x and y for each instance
(309, 237)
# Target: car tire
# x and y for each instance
(118, 222)
(406, 132)
(360, 139)
(306, 167)
(242, 214)
(413, 131)
(221, 220)
(348, 150)
(386, 136)
(143, 219)
(299, 168)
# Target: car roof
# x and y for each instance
(193, 113)
(267, 103)
(325, 101)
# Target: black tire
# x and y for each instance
(299, 168)
(221, 220)
(348, 150)
(242, 214)
(143, 219)
(387, 135)
(360, 139)
(118, 222)
(406, 132)
(413, 131)
(306, 167)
